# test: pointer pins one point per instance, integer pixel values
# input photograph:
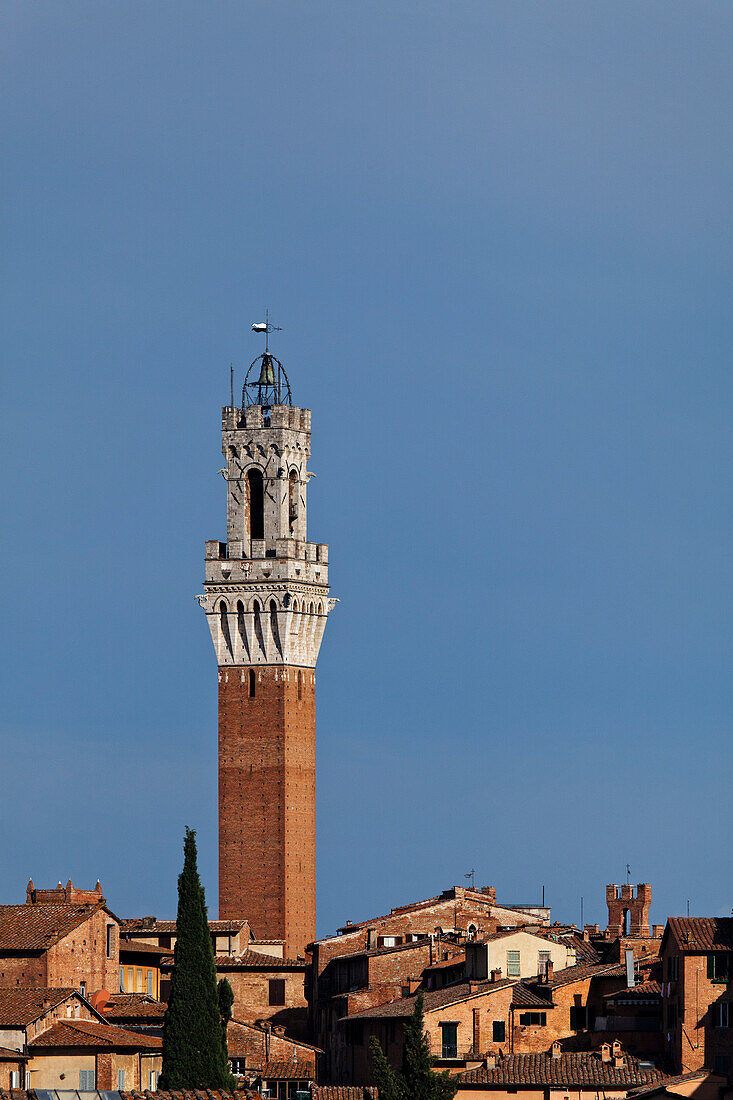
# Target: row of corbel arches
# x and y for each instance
(253, 630)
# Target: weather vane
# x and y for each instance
(266, 328)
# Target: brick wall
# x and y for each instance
(27, 970)
(251, 996)
(82, 956)
(258, 1046)
(267, 848)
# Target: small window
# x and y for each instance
(718, 966)
(86, 1080)
(498, 1031)
(512, 964)
(672, 1015)
(83, 988)
(578, 1017)
(252, 683)
(15, 1079)
(150, 983)
(120, 1079)
(277, 991)
(389, 941)
(543, 961)
(238, 1065)
(153, 1076)
(722, 1014)
(533, 1019)
(139, 979)
(110, 940)
(449, 1046)
(300, 685)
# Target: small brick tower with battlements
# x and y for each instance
(628, 915)
(266, 601)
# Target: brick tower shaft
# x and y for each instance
(266, 600)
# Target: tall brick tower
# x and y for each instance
(266, 603)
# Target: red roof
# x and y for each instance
(88, 1033)
(567, 1070)
(698, 934)
(38, 927)
(20, 1006)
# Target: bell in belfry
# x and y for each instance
(267, 372)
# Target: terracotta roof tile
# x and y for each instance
(88, 1033)
(287, 1070)
(695, 934)
(179, 1094)
(524, 997)
(38, 927)
(20, 1006)
(343, 1092)
(641, 989)
(151, 925)
(582, 971)
(127, 1006)
(137, 947)
(257, 960)
(567, 1070)
(432, 999)
(9, 1055)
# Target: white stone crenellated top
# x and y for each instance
(266, 588)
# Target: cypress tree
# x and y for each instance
(417, 1079)
(225, 995)
(193, 1057)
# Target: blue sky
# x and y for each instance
(498, 239)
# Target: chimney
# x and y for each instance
(616, 1048)
(491, 1059)
(555, 1051)
(496, 975)
(473, 985)
(605, 1052)
(549, 970)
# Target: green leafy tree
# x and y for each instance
(193, 1055)
(417, 1080)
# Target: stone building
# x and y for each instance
(266, 600)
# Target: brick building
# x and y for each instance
(266, 599)
(60, 938)
(86, 1055)
(697, 972)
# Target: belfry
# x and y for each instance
(266, 601)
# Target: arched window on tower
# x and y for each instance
(300, 685)
(274, 627)
(255, 510)
(224, 626)
(293, 500)
(252, 683)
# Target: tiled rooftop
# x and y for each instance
(433, 999)
(89, 1033)
(21, 1006)
(127, 1006)
(702, 933)
(567, 1070)
(38, 927)
(286, 1070)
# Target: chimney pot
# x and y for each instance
(605, 1052)
(496, 975)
